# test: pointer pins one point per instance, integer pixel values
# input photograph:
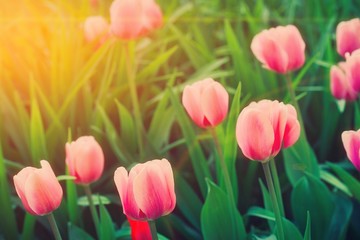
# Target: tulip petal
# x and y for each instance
(19, 182)
(190, 100)
(214, 104)
(294, 46)
(353, 64)
(278, 117)
(254, 134)
(150, 191)
(351, 142)
(139, 230)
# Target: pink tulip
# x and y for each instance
(264, 127)
(279, 49)
(38, 189)
(206, 102)
(340, 83)
(139, 230)
(134, 18)
(353, 71)
(85, 159)
(147, 192)
(347, 36)
(96, 28)
(351, 142)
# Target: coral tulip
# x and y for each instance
(340, 83)
(206, 102)
(347, 36)
(134, 18)
(96, 28)
(147, 192)
(38, 189)
(85, 159)
(264, 127)
(351, 142)
(279, 49)
(139, 230)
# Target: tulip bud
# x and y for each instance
(351, 142)
(347, 36)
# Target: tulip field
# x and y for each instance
(179, 119)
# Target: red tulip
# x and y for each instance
(147, 192)
(140, 230)
(264, 127)
(38, 189)
(134, 18)
(96, 28)
(340, 83)
(347, 36)
(85, 159)
(206, 102)
(351, 142)
(279, 49)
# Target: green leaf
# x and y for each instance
(307, 234)
(127, 127)
(310, 194)
(106, 228)
(197, 156)
(352, 183)
(76, 233)
(230, 144)
(65, 177)
(97, 200)
(334, 181)
(300, 158)
(267, 201)
(219, 220)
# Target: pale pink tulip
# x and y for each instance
(85, 159)
(38, 189)
(347, 36)
(340, 83)
(96, 28)
(206, 102)
(147, 192)
(134, 18)
(353, 71)
(351, 142)
(264, 127)
(279, 49)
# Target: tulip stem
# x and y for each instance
(293, 98)
(152, 225)
(54, 226)
(92, 208)
(278, 218)
(277, 186)
(129, 48)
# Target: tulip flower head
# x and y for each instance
(147, 192)
(38, 189)
(85, 159)
(347, 36)
(351, 142)
(280, 49)
(264, 127)
(340, 83)
(206, 102)
(96, 28)
(131, 19)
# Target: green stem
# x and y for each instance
(92, 208)
(293, 99)
(279, 228)
(152, 225)
(54, 227)
(223, 167)
(129, 48)
(277, 186)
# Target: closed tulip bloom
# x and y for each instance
(264, 127)
(140, 230)
(280, 49)
(340, 83)
(351, 142)
(96, 28)
(134, 18)
(347, 36)
(85, 159)
(38, 189)
(206, 102)
(353, 70)
(147, 192)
